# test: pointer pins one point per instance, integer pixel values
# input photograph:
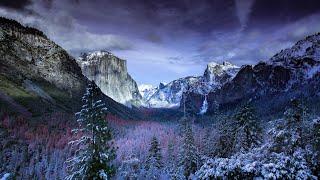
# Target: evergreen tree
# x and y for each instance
(316, 147)
(130, 169)
(171, 157)
(94, 149)
(248, 131)
(189, 157)
(291, 136)
(182, 125)
(153, 163)
(294, 116)
(208, 143)
(154, 154)
(172, 168)
(223, 145)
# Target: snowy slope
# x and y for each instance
(303, 57)
(291, 73)
(147, 90)
(169, 95)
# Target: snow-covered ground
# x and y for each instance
(5, 176)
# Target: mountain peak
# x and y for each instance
(94, 55)
(216, 69)
(13, 25)
(224, 65)
(306, 48)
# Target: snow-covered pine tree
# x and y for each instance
(171, 163)
(172, 169)
(188, 157)
(182, 125)
(316, 146)
(154, 153)
(208, 143)
(294, 116)
(247, 132)
(290, 133)
(154, 160)
(94, 149)
(130, 169)
(223, 145)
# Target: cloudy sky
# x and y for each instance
(163, 40)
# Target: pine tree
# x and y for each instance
(189, 157)
(182, 125)
(130, 168)
(291, 136)
(171, 157)
(208, 142)
(153, 163)
(316, 146)
(248, 131)
(294, 116)
(171, 167)
(94, 150)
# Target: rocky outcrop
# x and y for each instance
(169, 95)
(39, 75)
(292, 73)
(110, 74)
(28, 53)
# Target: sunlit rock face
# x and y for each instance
(37, 76)
(110, 74)
(26, 53)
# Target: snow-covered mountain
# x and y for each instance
(110, 74)
(292, 73)
(304, 54)
(169, 95)
(147, 90)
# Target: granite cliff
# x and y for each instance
(37, 76)
(110, 74)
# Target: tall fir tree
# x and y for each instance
(247, 130)
(171, 163)
(188, 157)
(94, 149)
(316, 146)
(207, 141)
(291, 136)
(172, 169)
(154, 160)
(294, 116)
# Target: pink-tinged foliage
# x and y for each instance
(39, 150)
(35, 150)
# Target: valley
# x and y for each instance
(254, 121)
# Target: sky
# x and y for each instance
(163, 40)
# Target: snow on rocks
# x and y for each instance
(169, 95)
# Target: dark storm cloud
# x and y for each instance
(180, 35)
(275, 12)
(15, 4)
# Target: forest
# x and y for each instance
(237, 146)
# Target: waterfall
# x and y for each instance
(204, 106)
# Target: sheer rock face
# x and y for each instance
(28, 53)
(38, 76)
(291, 73)
(110, 74)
